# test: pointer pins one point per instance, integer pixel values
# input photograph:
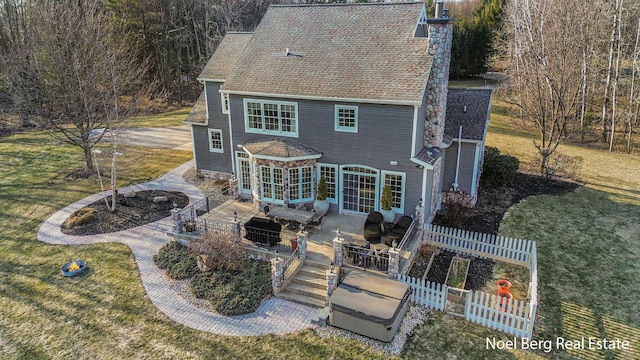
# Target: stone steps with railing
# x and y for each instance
(308, 286)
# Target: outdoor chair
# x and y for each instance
(316, 222)
(398, 230)
(372, 227)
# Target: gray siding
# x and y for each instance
(467, 165)
(422, 114)
(384, 135)
(205, 159)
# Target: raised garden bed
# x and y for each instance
(423, 261)
(457, 274)
(433, 265)
(456, 278)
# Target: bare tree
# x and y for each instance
(75, 68)
(544, 66)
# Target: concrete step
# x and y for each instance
(311, 281)
(313, 271)
(301, 298)
(320, 316)
(309, 291)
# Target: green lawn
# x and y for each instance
(105, 315)
(171, 118)
(588, 259)
(588, 256)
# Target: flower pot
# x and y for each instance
(73, 268)
(504, 285)
(388, 215)
(321, 207)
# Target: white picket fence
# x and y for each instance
(500, 248)
(429, 294)
(515, 317)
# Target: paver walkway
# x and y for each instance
(274, 316)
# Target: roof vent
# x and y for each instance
(288, 53)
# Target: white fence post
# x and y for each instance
(518, 317)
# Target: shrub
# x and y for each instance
(499, 170)
(491, 154)
(323, 189)
(562, 165)
(80, 217)
(223, 252)
(202, 284)
(456, 207)
(386, 201)
(171, 254)
(184, 269)
(244, 293)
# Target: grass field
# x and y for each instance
(588, 259)
(588, 256)
(171, 118)
(105, 315)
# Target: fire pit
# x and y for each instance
(74, 268)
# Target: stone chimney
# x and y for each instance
(440, 33)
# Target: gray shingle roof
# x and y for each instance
(198, 113)
(280, 148)
(469, 108)
(346, 51)
(225, 57)
(429, 155)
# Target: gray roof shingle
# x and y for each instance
(468, 108)
(280, 148)
(344, 51)
(429, 155)
(225, 57)
(198, 113)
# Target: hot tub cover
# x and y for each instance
(370, 297)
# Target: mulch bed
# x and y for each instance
(492, 204)
(130, 212)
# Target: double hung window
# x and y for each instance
(271, 117)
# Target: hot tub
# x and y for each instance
(369, 305)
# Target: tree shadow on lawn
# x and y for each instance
(588, 267)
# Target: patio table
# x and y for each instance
(283, 213)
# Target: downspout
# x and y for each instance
(455, 182)
(232, 152)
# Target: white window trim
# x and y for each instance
(272, 199)
(271, 132)
(335, 180)
(211, 148)
(224, 102)
(241, 184)
(301, 199)
(336, 123)
(375, 173)
(383, 173)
